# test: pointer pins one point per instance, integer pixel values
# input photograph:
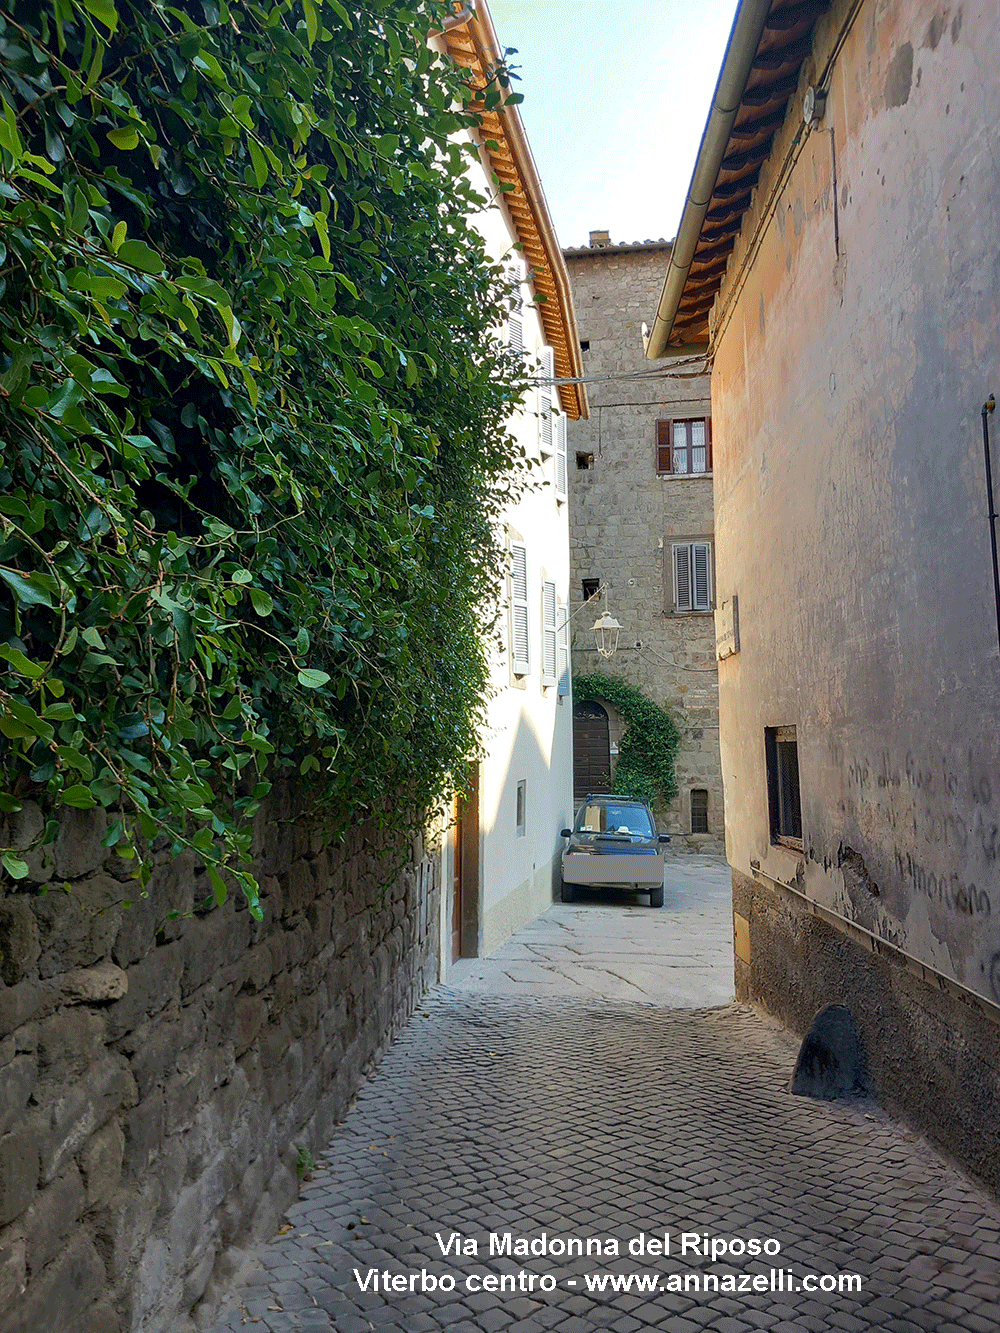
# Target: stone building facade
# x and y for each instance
(641, 517)
(843, 274)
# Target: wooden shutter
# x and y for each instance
(682, 578)
(701, 570)
(559, 442)
(708, 432)
(520, 648)
(550, 654)
(515, 319)
(563, 637)
(698, 446)
(545, 396)
(664, 450)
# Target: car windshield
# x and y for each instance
(614, 819)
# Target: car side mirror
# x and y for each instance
(664, 837)
(566, 833)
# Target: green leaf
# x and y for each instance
(313, 680)
(125, 139)
(61, 712)
(21, 664)
(232, 324)
(29, 590)
(137, 254)
(260, 169)
(262, 602)
(100, 285)
(218, 884)
(104, 11)
(323, 232)
(9, 136)
(79, 797)
(118, 236)
(312, 22)
(14, 866)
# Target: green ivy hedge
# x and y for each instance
(253, 414)
(645, 768)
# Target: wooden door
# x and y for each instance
(456, 884)
(591, 749)
(465, 871)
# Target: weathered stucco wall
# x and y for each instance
(158, 1076)
(856, 343)
(624, 518)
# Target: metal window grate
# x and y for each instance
(699, 810)
(784, 798)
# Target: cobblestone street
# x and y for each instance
(569, 1116)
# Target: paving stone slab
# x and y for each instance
(594, 1117)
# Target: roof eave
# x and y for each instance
(744, 39)
(512, 163)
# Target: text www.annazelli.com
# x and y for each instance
(698, 1283)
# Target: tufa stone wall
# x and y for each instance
(625, 518)
(157, 1077)
(931, 1053)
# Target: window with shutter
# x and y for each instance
(693, 576)
(684, 447)
(559, 432)
(545, 397)
(550, 652)
(563, 633)
(519, 645)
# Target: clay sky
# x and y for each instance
(616, 95)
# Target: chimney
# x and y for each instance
(599, 240)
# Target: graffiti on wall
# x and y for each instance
(936, 820)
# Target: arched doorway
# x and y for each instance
(591, 749)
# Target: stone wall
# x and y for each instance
(158, 1076)
(625, 518)
(931, 1052)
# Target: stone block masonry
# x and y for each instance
(158, 1076)
(626, 516)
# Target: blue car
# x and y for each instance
(614, 844)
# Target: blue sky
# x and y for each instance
(616, 95)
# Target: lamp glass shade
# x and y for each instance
(606, 631)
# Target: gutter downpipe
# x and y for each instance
(748, 28)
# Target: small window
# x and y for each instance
(684, 448)
(584, 462)
(692, 576)
(584, 344)
(591, 588)
(699, 810)
(521, 806)
(784, 803)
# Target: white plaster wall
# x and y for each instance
(529, 729)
